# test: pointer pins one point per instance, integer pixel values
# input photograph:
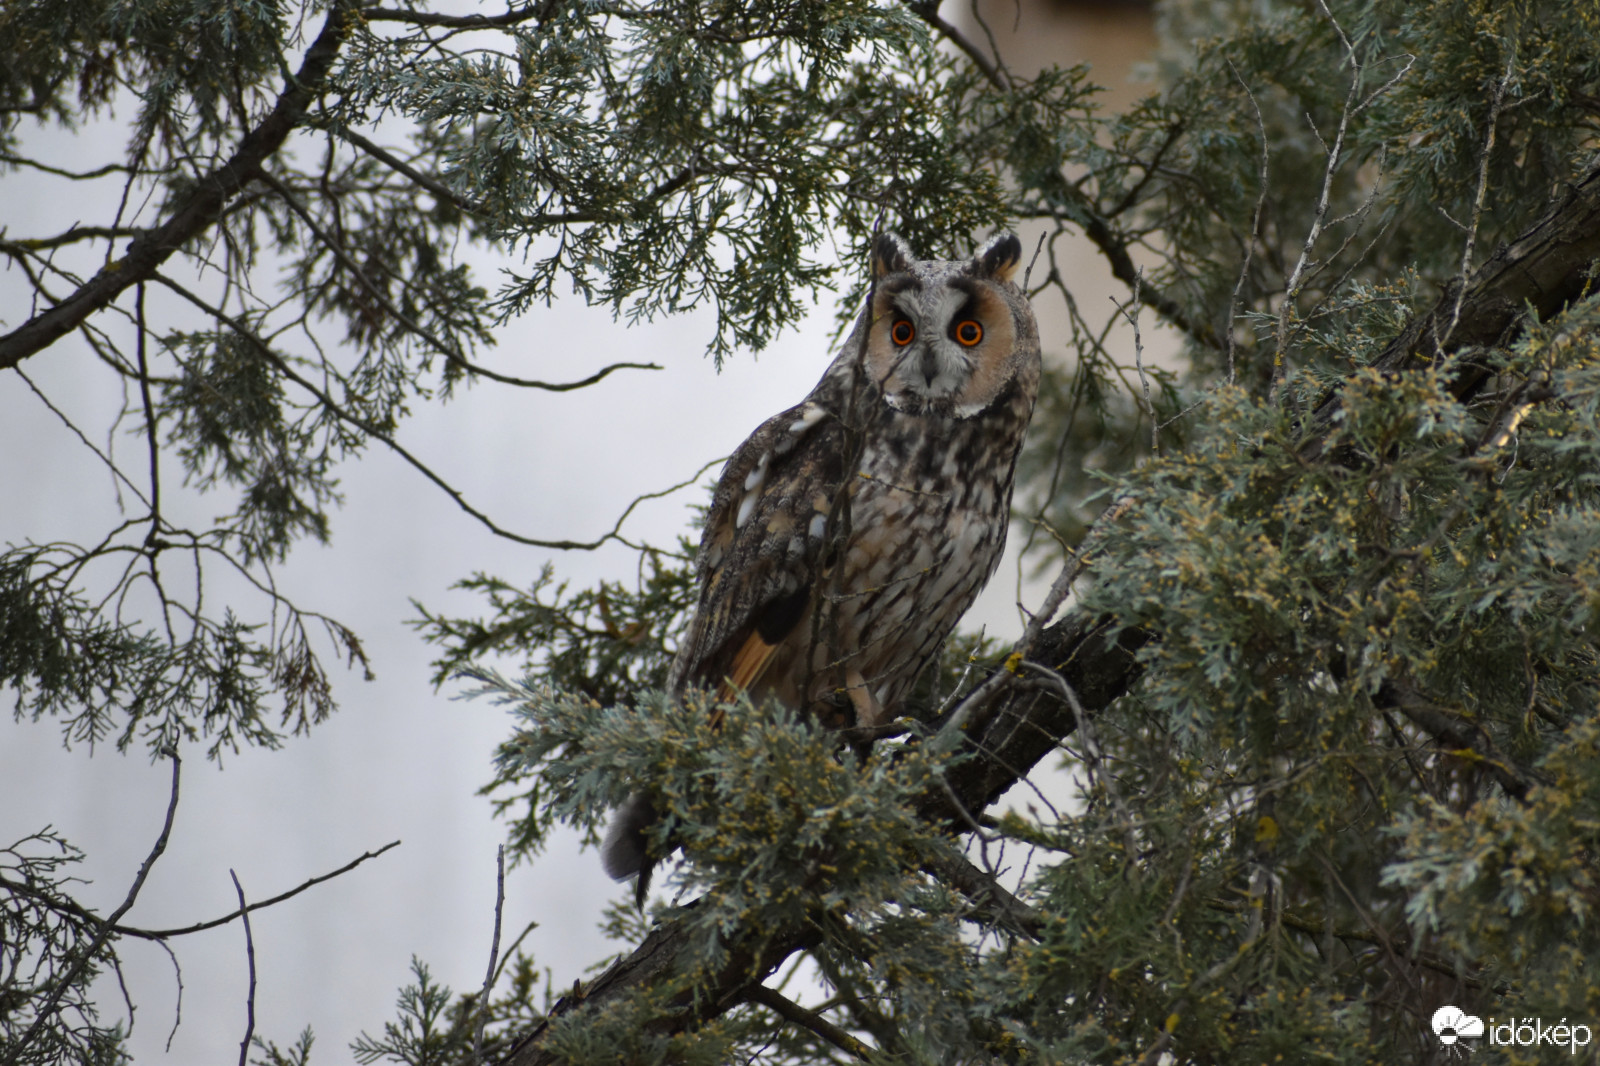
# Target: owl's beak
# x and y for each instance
(930, 365)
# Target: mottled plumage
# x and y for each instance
(830, 592)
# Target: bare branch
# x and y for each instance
(512, 17)
(992, 902)
(69, 907)
(23, 245)
(394, 162)
(75, 175)
(1495, 102)
(494, 953)
(1335, 153)
(250, 954)
(1255, 223)
(928, 11)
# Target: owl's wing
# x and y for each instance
(762, 550)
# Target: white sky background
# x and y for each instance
(398, 761)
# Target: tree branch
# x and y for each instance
(250, 954)
(1459, 734)
(512, 17)
(928, 11)
(199, 210)
(66, 906)
(789, 1010)
(23, 245)
(993, 904)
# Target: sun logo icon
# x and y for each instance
(1453, 1025)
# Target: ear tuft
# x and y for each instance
(998, 258)
(890, 255)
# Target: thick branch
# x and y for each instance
(198, 211)
(1462, 735)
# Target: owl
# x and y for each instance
(849, 533)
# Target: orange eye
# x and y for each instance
(902, 333)
(969, 333)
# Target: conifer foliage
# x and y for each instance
(1327, 681)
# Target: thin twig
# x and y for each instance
(1255, 223)
(177, 1010)
(992, 69)
(494, 953)
(1291, 289)
(989, 898)
(979, 697)
(1138, 360)
(1477, 204)
(1092, 759)
(250, 954)
(1028, 274)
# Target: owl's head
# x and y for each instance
(949, 337)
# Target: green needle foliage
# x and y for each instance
(1350, 527)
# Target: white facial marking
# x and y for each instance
(944, 309)
(933, 366)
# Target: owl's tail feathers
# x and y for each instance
(624, 853)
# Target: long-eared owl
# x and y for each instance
(849, 534)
